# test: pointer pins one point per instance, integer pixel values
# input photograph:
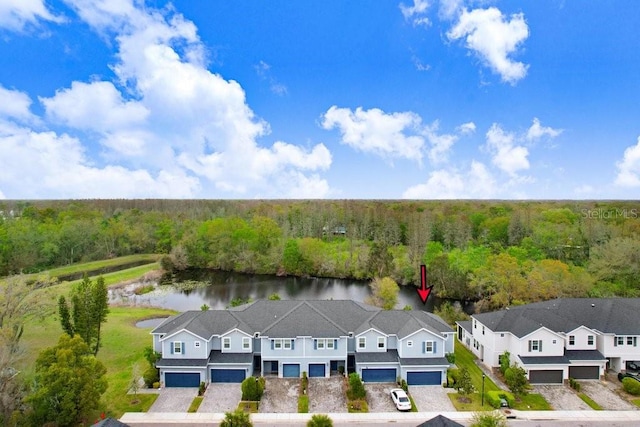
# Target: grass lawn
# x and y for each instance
(195, 404)
(475, 403)
(532, 402)
(96, 265)
(589, 401)
(636, 402)
(248, 406)
(464, 358)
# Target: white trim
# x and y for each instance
(236, 330)
(182, 330)
(372, 329)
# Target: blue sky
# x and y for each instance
(336, 99)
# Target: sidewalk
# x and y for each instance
(135, 418)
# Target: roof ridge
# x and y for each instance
(326, 317)
(283, 316)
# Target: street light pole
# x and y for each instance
(483, 375)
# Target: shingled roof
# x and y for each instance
(289, 319)
(618, 316)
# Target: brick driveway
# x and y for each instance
(221, 397)
(379, 397)
(280, 395)
(431, 398)
(605, 397)
(561, 397)
(174, 399)
(326, 395)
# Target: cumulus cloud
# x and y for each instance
(537, 131)
(15, 105)
(467, 128)
(506, 154)
(164, 121)
(629, 167)
(476, 183)
(494, 38)
(440, 144)
(15, 15)
(416, 13)
(388, 135)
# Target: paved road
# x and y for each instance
(413, 424)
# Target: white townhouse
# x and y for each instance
(287, 338)
(559, 339)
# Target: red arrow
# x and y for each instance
(423, 290)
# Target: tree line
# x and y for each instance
(494, 252)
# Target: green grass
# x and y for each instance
(195, 404)
(636, 402)
(414, 408)
(532, 402)
(474, 404)
(303, 404)
(465, 358)
(357, 406)
(96, 265)
(589, 401)
(248, 406)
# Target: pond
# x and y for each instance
(216, 289)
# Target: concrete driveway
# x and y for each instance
(174, 399)
(605, 397)
(431, 398)
(379, 397)
(280, 395)
(561, 397)
(326, 395)
(221, 397)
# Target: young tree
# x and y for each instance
(516, 379)
(464, 383)
(384, 293)
(505, 361)
(89, 309)
(68, 383)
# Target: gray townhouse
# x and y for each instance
(559, 339)
(287, 338)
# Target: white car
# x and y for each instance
(400, 399)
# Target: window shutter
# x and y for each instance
(335, 344)
(424, 346)
(315, 344)
(293, 344)
(171, 344)
(615, 341)
(434, 347)
(529, 345)
(540, 345)
(635, 341)
(272, 344)
(183, 348)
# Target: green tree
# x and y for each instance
(505, 361)
(463, 382)
(516, 379)
(450, 313)
(252, 388)
(68, 383)
(237, 418)
(384, 293)
(89, 309)
(320, 420)
(274, 297)
(488, 419)
(356, 388)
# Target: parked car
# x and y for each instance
(622, 376)
(633, 365)
(400, 399)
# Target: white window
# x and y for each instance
(409, 343)
(277, 344)
(475, 324)
(196, 344)
(329, 344)
(320, 344)
(362, 342)
(483, 330)
(554, 341)
(428, 346)
(535, 345)
(226, 343)
(590, 339)
(280, 344)
(619, 340)
(246, 343)
(629, 340)
(287, 344)
(177, 347)
(572, 340)
(380, 342)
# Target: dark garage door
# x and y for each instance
(584, 372)
(316, 370)
(290, 371)
(424, 378)
(547, 376)
(227, 375)
(379, 375)
(182, 379)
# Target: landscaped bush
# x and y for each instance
(356, 388)
(451, 358)
(493, 398)
(404, 385)
(320, 420)
(236, 418)
(202, 388)
(488, 419)
(304, 383)
(151, 376)
(574, 384)
(452, 377)
(631, 386)
(252, 388)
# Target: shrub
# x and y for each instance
(488, 419)
(320, 420)
(516, 379)
(452, 377)
(304, 382)
(356, 388)
(151, 376)
(404, 385)
(252, 388)
(493, 398)
(156, 384)
(202, 388)
(505, 361)
(236, 418)
(574, 384)
(631, 386)
(341, 369)
(451, 358)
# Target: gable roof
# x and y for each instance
(618, 316)
(289, 319)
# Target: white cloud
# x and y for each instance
(15, 15)
(170, 127)
(476, 183)
(15, 105)
(467, 128)
(537, 131)
(388, 135)
(629, 167)
(440, 143)
(264, 72)
(450, 8)
(493, 38)
(417, 13)
(506, 155)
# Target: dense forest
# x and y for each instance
(493, 252)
